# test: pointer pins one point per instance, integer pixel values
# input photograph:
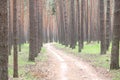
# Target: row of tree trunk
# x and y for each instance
(21, 22)
(86, 21)
(35, 11)
(71, 22)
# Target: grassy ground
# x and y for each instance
(23, 62)
(91, 53)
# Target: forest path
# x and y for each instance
(70, 68)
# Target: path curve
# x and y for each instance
(71, 68)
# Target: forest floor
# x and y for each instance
(74, 68)
(91, 55)
(56, 62)
(63, 66)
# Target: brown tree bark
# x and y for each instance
(10, 26)
(32, 50)
(82, 25)
(36, 25)
(3, 40)
(102, 28)
(65, 22)
(40, 24)
(62, 29)
(19, 24)
(116, 32)
(79, 41)
(15, 39)
(108, 25)
(72, 25)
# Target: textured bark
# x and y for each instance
(90, 22)
(22, 23)
(36, 24)
(40, 33)
(72, 26)
(39, 25)
(15, 38)
(82, 25)
(102, 28)
(65, 22)
(108, 25)
(19, 23)
(10, 27)
(62, 29)
(87, 7)
(116, 32)
(59, 21)
(79, 41)
(3, 40)
(32, 49)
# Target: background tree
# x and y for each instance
(32, 50)
(15, 38)
(108, 25)
(72, 25)
(79, 41)
(102, 28)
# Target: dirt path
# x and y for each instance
(69, 68)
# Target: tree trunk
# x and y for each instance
(116, 32)
(10, 27)
(72, 26)
(108, 25)
(19, 24)
(82, 25)
(65, 22)
(32, 50)
(102, 28)
(36, 27)
(79, 41)
(3, 40)
(15, 39)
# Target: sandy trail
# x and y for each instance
(70, 68)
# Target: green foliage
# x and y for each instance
(51, 7)
(93, 48)
(23, 62)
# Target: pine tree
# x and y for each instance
(3, 40)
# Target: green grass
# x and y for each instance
(23, 62)
(92, 48)
(91, 53)
(116, 74)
